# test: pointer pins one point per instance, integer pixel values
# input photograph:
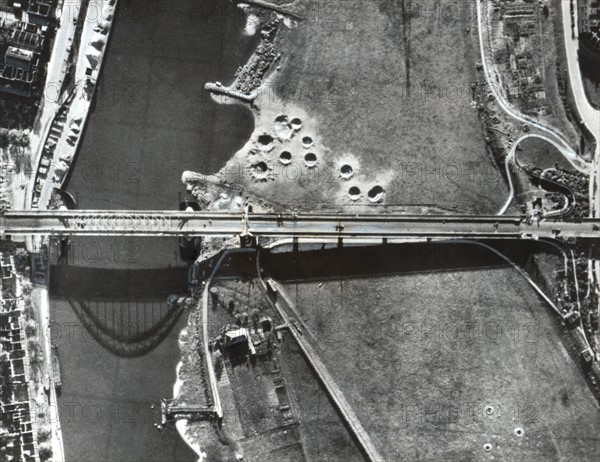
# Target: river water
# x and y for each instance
(151, 120)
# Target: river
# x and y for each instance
(151, 120)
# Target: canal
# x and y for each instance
(151, 120)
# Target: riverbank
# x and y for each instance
(119, 355)
(72, 114)
(181, 424)
(201, 436)
(40, 300)
(152, 117)
(130, 157)
(308, 149)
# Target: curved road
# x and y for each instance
(550, 132)
(590, 116)
(510, 157)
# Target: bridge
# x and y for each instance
(169, 411)
(346, 227)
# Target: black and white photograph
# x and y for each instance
(299, 230)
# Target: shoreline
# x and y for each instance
(61, 149)
(181, 424)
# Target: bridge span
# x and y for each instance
(341, 226)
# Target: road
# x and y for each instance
(55, 75)
(361, 436)
(78, 110)
(345, 227)
(590, 116)
(510, 158)
(551, 133)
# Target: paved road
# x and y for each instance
(78, 110)
(590, 116)
(55, 76)
(510, 159)
(346, 227)
(563, 146)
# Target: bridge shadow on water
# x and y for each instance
(107, 284)
(125, 311)
(321, 263)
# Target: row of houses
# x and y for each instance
(40, 12)
(25, 32)
(516, 9)
(589, 16)
(17, 431)
(523, 77)
(21, 69)
(589, 29)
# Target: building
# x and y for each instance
(517, 10)
(17, 429)
(19, 58)
(21, 68)
(588, 16)
(42, 12)
(238, 342)
(27, 37)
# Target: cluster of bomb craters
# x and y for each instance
(304, 151)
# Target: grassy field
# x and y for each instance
(324, 436)
(385, 86)
(316, 431)
(540, 153)
(439, 364)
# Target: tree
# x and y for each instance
(3, 138)
(26, 287)
(45, 451)
(44, 434)
(255, 317)
(30, 328)
(14, 136)
(21, 259)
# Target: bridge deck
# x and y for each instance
(347, 227)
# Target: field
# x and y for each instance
(540, 153)
(386, 88)
(439, 364)
(324, 436)
(313, 430)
